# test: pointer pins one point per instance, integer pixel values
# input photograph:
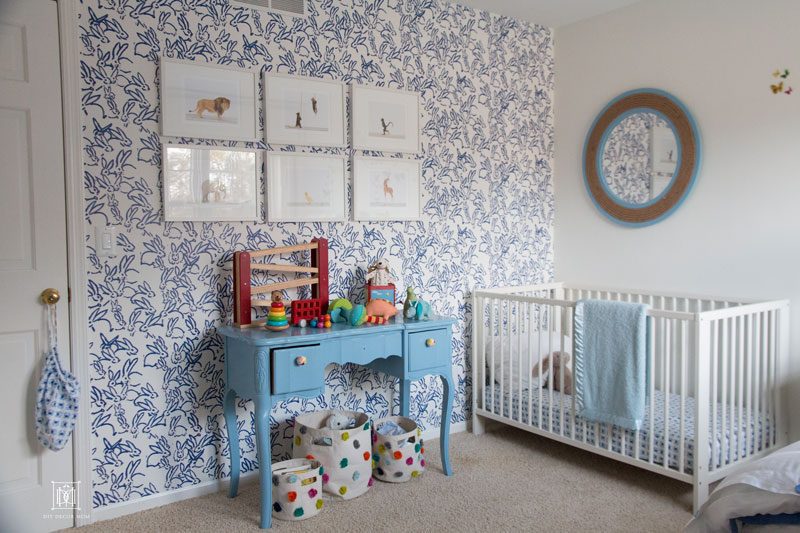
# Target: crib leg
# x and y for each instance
(478, 425)
(700, 495)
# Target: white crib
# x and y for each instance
(715, 393)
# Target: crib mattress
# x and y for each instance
(665, 436)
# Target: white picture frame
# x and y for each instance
(303, 187)
(304, 111)
(663, 150)
(386, 120)
(211, 183)
(205, 101)
(386, 189)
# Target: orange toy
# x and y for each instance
(379, 311)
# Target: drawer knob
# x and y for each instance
(430, 343)
(300, 360)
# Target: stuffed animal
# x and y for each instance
(339, 309)
(379, 311)
(381, 308)
(380, 273)
(340, 421)
(558, 359)
(342, 310)
(415, 308)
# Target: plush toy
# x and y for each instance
(379, 273)
(339, 309)
(415, 308)
(381, 308)
(340, 421)
(558, 358)
(342, 310)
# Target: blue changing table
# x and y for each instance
(268, 367)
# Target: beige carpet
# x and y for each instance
(505, 480)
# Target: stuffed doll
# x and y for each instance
(380, 273)
(558, 359)
(340, 421)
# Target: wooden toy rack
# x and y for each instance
(243, 266)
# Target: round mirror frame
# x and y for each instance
(688, 140)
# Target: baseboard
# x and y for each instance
(433, 433)
(208, 487)
(115, 510)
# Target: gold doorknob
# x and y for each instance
(430, 343)
(50, 296)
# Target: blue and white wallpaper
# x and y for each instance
(486, 86)
(626, 157)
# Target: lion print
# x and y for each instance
(218, 105)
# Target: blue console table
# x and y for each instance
(268, 367)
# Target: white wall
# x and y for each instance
(738, 233)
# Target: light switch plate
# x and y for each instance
(105, 242)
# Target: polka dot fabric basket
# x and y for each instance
(398, 458)
(297, 489)
(345, 454)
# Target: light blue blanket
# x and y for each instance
(611, 362)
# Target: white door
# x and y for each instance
(33, 254)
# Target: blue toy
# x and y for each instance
(415, 308)
(341, 310)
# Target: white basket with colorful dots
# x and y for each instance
(345, 454)
(296, 489)
(397, 457)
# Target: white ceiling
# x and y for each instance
(551, 13)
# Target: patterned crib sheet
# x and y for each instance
(719, 453)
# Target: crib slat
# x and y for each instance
(550, 326)
(665, 389)
(741, 433)
(530, 361)
(725, 360)
(749, 393)
(561, 366)
(652, 395)
(732, 398)
(501, 325)
(762, 351)
(773, 337)
(542, 322)
(493, 338)
(519, 363)
(682, 355)
(714, 400)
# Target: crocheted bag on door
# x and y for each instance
(56, 397)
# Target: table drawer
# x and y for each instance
(362, 349)
(429, 349)
(297, 369)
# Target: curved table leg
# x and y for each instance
(229, 410)
(447, 413)
(262, 409)
(405, 397)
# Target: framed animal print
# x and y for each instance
(211, 183)
(386, 188)
(208, 101)
(386, 120)
(305, 187)
(304, 111)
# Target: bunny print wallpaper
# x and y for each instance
(486, 94)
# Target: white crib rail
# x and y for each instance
(722, 355)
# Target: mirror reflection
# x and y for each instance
(639, 158)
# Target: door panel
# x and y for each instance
(16, 248)
(33, 256)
